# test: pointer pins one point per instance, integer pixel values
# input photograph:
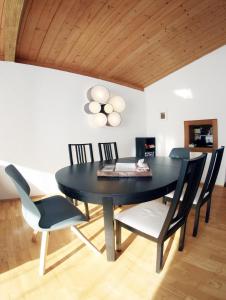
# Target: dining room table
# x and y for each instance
(81, 182)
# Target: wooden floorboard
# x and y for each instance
(74, 272)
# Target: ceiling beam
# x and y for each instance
(12, 15)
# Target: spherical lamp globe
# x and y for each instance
(100, 94)
(118, 103)
(114, 119)
(94, 107)
(108, 108)
(100, 120)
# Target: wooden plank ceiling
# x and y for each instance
(131, 42)
(1, 30)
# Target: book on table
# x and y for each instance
(125, 167)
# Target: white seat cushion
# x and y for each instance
(146, 217)
(170, 195)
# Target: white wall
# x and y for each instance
(206, 81)
(42, 110)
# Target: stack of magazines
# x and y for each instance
(125, 167)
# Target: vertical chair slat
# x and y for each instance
(116, 150)
(110, 152)
(91, 152)
(77, 152)
(106, 152)
(100, 151)
(84, 153)
(70, 154)
(81, 151)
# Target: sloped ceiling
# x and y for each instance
(131, 42)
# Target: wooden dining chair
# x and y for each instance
(157, 221)
(177, 153)
(108, 151)
(204, 193)
(47, 215)
(80, 154)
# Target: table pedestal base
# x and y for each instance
(109, 228)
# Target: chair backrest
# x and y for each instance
(179, 153)
(29, 209)
(190, 174)
(106, 152)
(80, 152)
(212, 173)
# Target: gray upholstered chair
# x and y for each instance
(179, 153)
(204, 193)
(48, 214)
(157, 221)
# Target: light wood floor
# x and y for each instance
(199, 272)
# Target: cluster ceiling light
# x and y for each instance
(105, 108)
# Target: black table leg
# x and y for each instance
(109, 228)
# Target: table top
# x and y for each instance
(81, 182)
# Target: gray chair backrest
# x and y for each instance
(179, 153)
(30, 212)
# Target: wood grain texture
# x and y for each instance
(1, 29)
(130, 42)
(12, 14)
(73, 272)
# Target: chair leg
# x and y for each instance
(159, 259)
(196, 224)
(118, 235)
(34, 236)
(208, 210)
(182, 236)
(81, 236)
(87, 210)
(71, 200)
(43, 252)
(164, 200)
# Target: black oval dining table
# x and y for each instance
(81, 182)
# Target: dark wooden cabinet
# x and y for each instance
(145, 147)
(201, 135)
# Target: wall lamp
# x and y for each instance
(105, 108)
